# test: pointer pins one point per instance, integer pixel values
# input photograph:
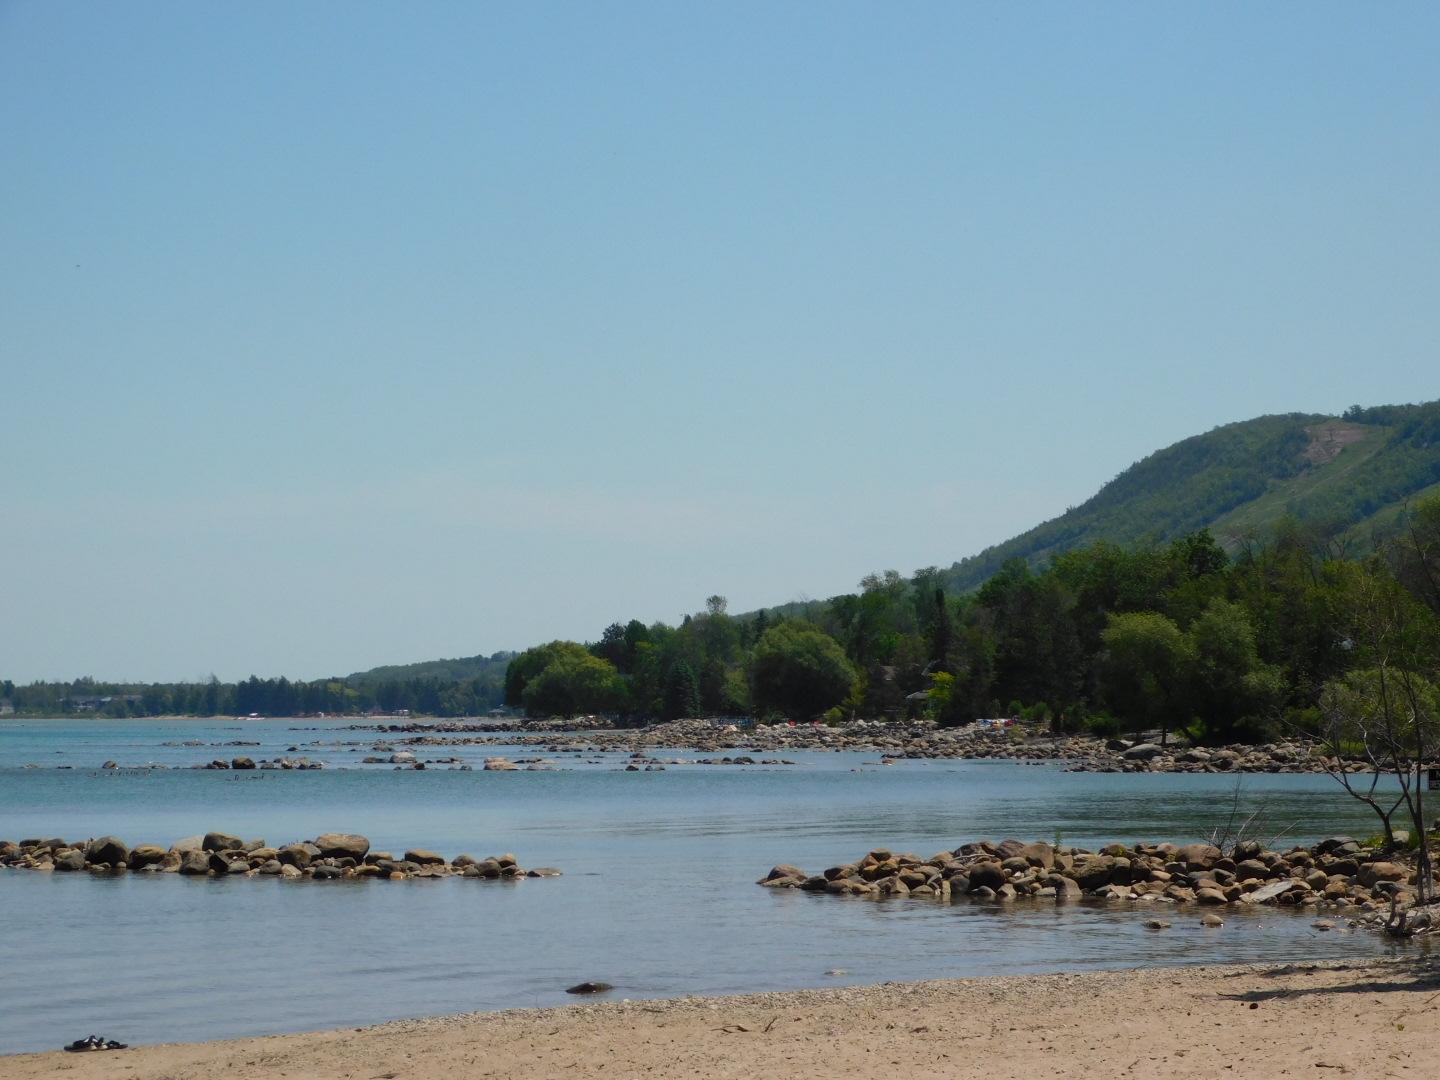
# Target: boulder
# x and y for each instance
(242, 763)
(1143, 751)
(543, 871)
(219, 841)
(194, 862)
(987, 875)
(1371, 874)
(298, 855)
(146, 855)
(423, 857)
(72, 859)
(341, 845)
(106, 849)
(1200, 856)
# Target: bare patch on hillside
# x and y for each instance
(1329, 438)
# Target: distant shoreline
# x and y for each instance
(1246, 1021)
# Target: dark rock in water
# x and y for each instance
(242, 763)
(110, 765)
(326, 873)
(298, 855)
(423, 857)
(74, 859)
(543, 871)
(589, 988)
(336, 845)
(145, 855)
(194, 862)
(106, 849)
(219, 841)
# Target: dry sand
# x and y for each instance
(1372, 1019)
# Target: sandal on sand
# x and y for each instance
(92, 1043)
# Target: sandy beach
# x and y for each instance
(1373, 1019)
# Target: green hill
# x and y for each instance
(1352, 473)
(457, 670)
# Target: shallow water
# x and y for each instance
(658, 895)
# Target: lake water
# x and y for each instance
(658, 895)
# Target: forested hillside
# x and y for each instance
(1343, 474)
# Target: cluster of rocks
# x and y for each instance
(237, 763)
(328, 857)
(1335, 875)
(895, 741)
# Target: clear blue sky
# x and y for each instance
(339, 334)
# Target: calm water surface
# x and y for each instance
(658, 895)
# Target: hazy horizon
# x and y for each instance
(341, 337)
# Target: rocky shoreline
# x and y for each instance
(1336, 876)
(892, 741)
(329, 857)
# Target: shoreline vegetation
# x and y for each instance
(1374, 1018)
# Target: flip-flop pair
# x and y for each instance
(92, 1043)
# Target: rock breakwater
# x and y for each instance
(331, 856)
(1337, 875)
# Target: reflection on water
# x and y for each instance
(657, 898)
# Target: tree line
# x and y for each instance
(1107, 638)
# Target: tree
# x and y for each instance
(799, 671)
(1388, 712)
(574, 683)
(1147, 668)
(1233, 692)
(530, 663)
(682, 692)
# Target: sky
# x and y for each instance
(338, 334)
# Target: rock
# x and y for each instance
(298, 855)
(188, 843)
(1143, 752)
(342, 845)
(242, 763)
(1200, 856)
(110, 765)
(288, 871)
(323, 872)
(783, 873)
(589, 988)
(146, 855)
(422, 857)
(987, 875)
(218, 841)
(1371, 874)
(1211, 921)
(1323, 924)
(1156, 924)
(543, 871)
(72, 859)
(106, 849)
(194, 863)
(1210, 896)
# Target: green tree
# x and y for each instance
(574, 683)
(1147, 669)
(682, 692)
(530, 663)
(799, 671)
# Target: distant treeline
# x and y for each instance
(1104, 638)
(439, 688)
